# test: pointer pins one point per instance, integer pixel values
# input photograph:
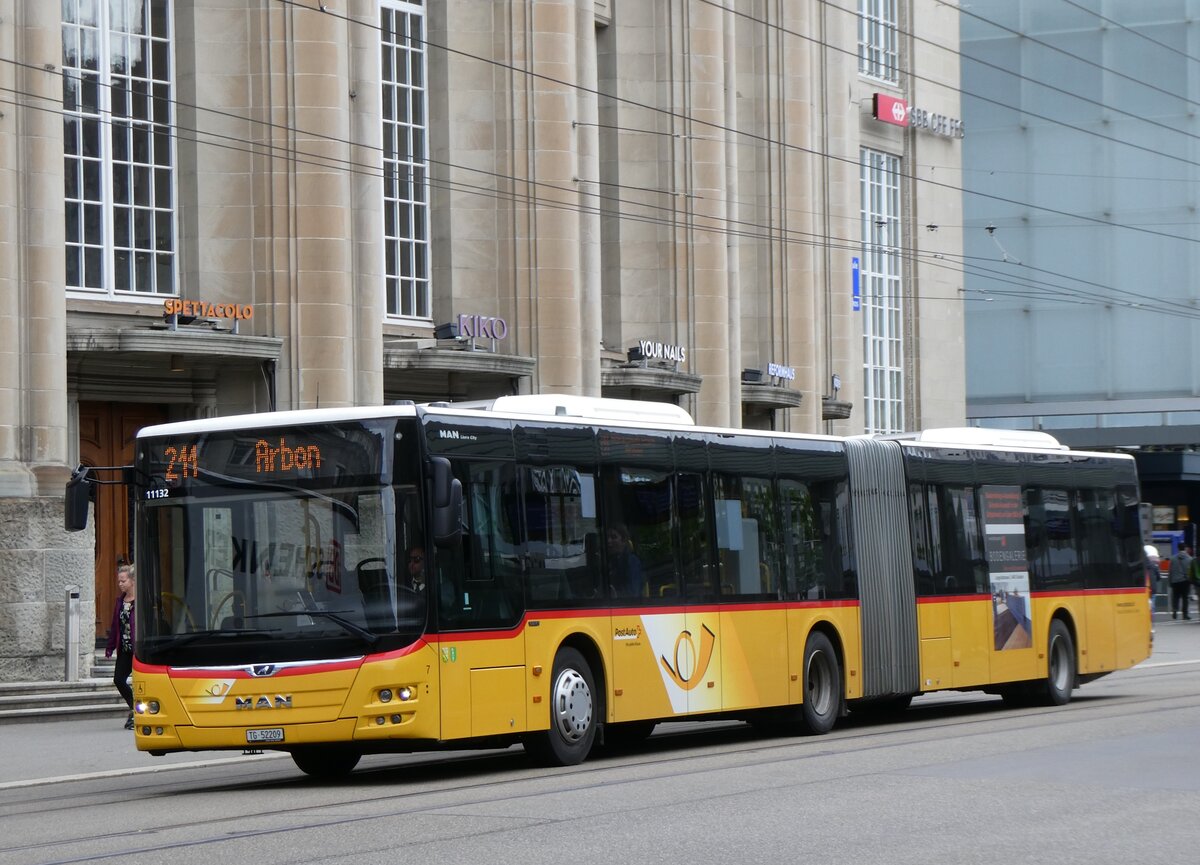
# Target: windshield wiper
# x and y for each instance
(341, 621)
(222, 633)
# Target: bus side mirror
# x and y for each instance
(446, 498)
(78, 495)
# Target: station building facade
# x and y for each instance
(209, 208)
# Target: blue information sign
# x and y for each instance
(856, 296)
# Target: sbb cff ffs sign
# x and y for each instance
(889, 109)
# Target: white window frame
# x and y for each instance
(883, 292)
(406, 208)
(878, 40)
(149, 211)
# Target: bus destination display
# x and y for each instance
(329, 454)
(182, 460)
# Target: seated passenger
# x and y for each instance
(624, 567)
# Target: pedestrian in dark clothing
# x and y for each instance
(1180, 575)
(120, 637)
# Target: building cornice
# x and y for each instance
(770, 396)
(648, 378)
(203, 342)
(834, 409)
(433, 359)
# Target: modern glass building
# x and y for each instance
(1081, 238)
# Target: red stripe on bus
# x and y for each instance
(951, 599)
(473, 636)
(1079, 593)
(613, 612)
(303, 669)
(399, 653)
(1064, 593)
(680, 609)
(494, 634)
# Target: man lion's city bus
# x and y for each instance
(592, 567)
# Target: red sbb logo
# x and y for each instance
(889, 109)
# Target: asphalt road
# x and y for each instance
(1112, 777)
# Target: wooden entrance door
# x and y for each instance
(106, 433)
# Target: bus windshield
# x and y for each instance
(243, 567)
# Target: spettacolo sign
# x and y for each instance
(204, 309)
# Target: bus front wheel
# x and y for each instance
(572, 714)
(326, 762)
(822, 686)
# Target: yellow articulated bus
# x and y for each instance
(562, 572)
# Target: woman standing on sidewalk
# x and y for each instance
(120, 637)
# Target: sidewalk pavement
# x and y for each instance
(88, 747)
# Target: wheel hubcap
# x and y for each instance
(820, 692)
(1058, 665)
(572, 705)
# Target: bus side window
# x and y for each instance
(816, 550)
(921, 525)
(493, 584)
(637, 517)
(1100, 539)
(694, 564)
(748, 539)
(962, 567)
(560, 517)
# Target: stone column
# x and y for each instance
(33, 360)
(37, 559)
(590, 197)
(366, 201)
(703, 64)
(800, 342)
(555, 265)
(733, 240)
(322, 294)
(316, 292)
(841, 142)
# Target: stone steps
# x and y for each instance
(41, 701)
(94, 697)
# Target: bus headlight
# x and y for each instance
(385, 695)
(405, 694)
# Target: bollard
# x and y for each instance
(71, 639)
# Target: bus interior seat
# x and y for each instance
(374, 586)
(591, 550)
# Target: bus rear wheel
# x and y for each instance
(572, 714)
(326, 762)
(1055, 689)
(822, 686)
(1060, 667)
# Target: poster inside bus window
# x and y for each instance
(1008, 567)
(325, 455)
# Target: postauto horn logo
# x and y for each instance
(683, 672)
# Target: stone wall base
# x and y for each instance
(39, 560)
